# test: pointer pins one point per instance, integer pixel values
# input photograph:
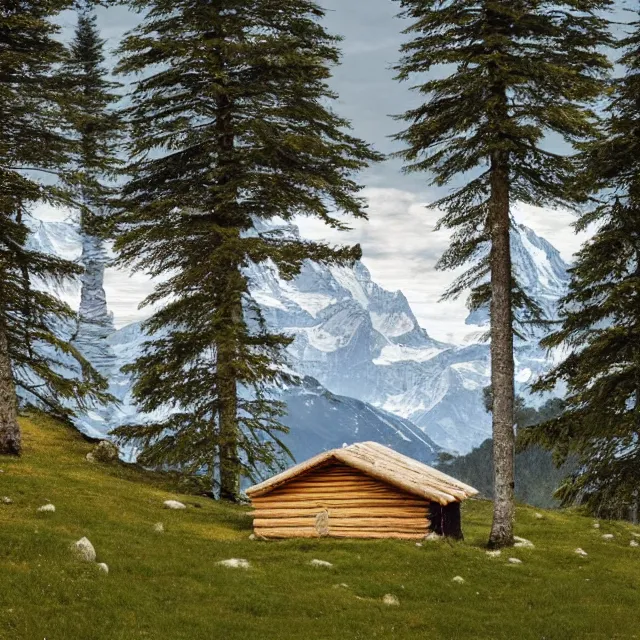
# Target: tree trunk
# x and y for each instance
(227, 381)
(502, 367)
(227, 376)
(228, 411)
(10, 441)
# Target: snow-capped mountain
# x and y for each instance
(541, 272)
(362, 341)
(366, 350)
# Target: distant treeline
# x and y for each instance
(537, 477)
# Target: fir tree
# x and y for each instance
(36, 156)
(230, 130)
(601, 317)
(97, 129)
(509, 73)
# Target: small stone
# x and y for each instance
(418, 544)
(174, 504)
(103, 567)
(6, 500)
(390, 600)
(342, 585)
(84, 550)
(523, 543)
(538, 516)
(634, 543)
(320, 563)
(257, 536)
(90, 457)
(105, 451)
(494, 554)
(433, 537)
(235, 563)
(515, 561)
(580, 552)
(47, 508)
(607, 536)
(596, 525)
(458, 579)
(158, 527)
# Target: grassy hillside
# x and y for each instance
(167, 586)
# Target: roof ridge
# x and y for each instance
(384, 464)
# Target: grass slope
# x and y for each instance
(167, 586)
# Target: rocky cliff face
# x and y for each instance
(95, 322)
(361, 344)
(362, 341)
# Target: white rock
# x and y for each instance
(103, 567)
(235, 563)
(607, 536)
(458, 579)
(174, 504)
(320, 563)
(635, 535)
(84, 550)
(634, 543)
(158, 527)
(6, 500)
(494, 554)
(580, 552)
(342, 585)
(418, 544)
(539, 516)
(46, 508)
(515, 561)
(390, 599)
(523, 543)
(433, 536)
(596, 525)
(90, 457)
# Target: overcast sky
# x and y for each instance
(399, 245)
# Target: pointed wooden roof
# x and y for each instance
(381, 463)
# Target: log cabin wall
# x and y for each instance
(339, 501)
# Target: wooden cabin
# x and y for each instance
(365, 490)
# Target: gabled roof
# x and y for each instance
(381, 463)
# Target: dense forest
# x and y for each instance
(537, 476)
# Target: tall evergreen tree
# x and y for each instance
(509, 73)
(230, 130)
(36, 156)
(601, 317)
(97, 129)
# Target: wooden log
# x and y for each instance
(334, 486)
(399, 535)
(311, 533)
(342, 522)
(287, 533)
(347, 530)
(332, 492)
(336, 493)
(343, 512)
(378, 522)
(302, 502)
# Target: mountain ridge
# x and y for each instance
(360, 341)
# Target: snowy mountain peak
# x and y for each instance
(541, 271)
(364, 346)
